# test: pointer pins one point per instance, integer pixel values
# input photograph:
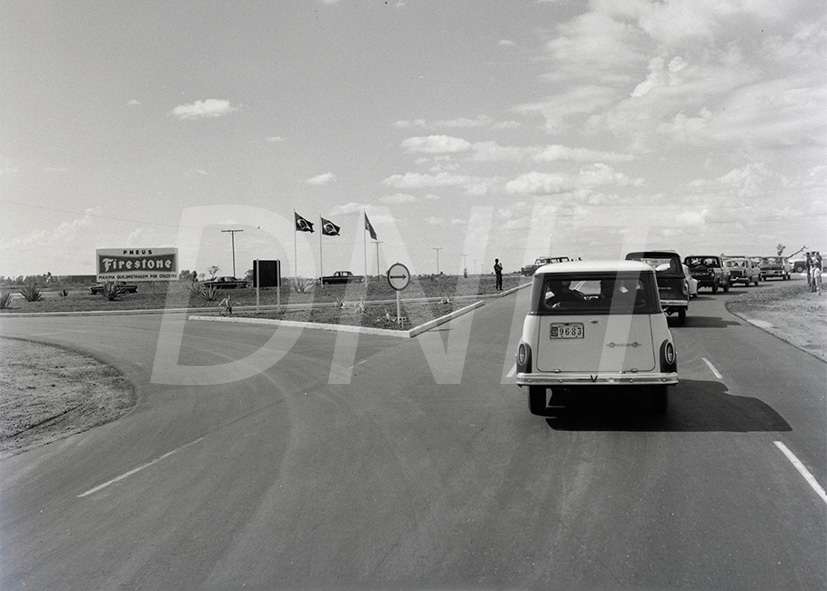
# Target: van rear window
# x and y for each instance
(605, 293)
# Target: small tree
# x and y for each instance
(212, 271)
(780, 248)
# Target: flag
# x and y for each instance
(369, 228)
(329, 228)
(302, 225)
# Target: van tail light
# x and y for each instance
(523, 358)
(668, 357)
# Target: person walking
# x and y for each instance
(498, 273)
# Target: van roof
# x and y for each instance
(594, 267)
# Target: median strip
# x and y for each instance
(404, 334)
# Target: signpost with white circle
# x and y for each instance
(398, 278)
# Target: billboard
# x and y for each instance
(266, 273)
(136, 264)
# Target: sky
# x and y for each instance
(466, 130)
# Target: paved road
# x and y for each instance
(372, 462)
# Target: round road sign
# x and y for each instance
(398, 276)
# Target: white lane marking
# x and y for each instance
(138, 469)
(512, 372)
(803, 470)
(712, 367)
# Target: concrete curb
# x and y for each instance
(403, 334)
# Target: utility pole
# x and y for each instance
(232, 237)
(437, 258)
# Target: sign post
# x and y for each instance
(267, 274)
(398, 278)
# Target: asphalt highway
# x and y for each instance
(263, 459)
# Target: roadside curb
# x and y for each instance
(403, 334)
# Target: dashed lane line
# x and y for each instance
(712, 367)
(138, 469)
(802, 469)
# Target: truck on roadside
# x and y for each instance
(710, 271)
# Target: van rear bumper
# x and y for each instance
(602, 379)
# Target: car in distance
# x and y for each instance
(710, 271)
(743, 270)
(595, 326)
(775, 268)
(672, 286)
(528, 270)
(226, 282)
(341, 277)
(124, 287)
(691, 282)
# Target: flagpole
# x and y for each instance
(295, 256)
(321, 269)
(365, 249)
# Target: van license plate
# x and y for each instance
(569, 330)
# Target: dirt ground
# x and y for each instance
(47, 393)
(789, 311)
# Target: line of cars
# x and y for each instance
(602, 325)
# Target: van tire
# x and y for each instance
(659, 396)
(537, 400)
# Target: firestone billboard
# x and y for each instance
(136, 264)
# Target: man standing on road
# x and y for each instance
(498, 272)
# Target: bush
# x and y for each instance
(210, 293)
(32, 293)
(5, 299)
(63, 293)
(112, 291)
(302, 284)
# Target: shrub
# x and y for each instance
(63, 293)
(32, 293)
(302, 284)
(111, 291)
(210, 293)
(6, 298)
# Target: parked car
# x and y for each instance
(710, 271)
(595, 325)
(672, 286)
(743, 270)
(341, 277)
(775, 267)
(691, 282)
(529, 270)
(226, 282)
(125, 287)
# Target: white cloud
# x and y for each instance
(275, 139)
(436, 144)
(321, 179)
(210, 108)
(398, 198)
(557, 152)
(539, 183)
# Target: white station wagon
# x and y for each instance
(595, 325)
